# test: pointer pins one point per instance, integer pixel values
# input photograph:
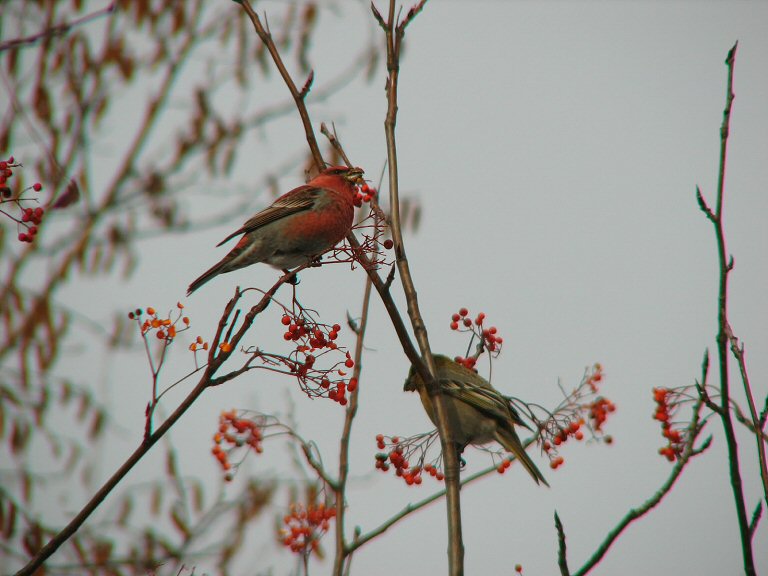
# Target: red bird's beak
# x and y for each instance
(355, 175)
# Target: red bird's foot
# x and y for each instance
(293, 280)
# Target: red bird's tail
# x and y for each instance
(205, 277)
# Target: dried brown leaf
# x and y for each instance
(32, 540)
(156, 500)
(20, 433)
(179, 522)
(9, 526)
(126, 507)
(70, 195)
(198, 497)
(97, 424)
(41, 103)
(170, 464)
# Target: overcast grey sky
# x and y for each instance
(555, 148)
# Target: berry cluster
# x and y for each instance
(305, 526)
(580, 409)
(314, 335)
(30, 218)
(572, 429)
(5, 173)
(666, 407)
(165, 329)
(400, 450)
(598, 412)
(365, 193)
(488, 338)
(236, 431)
(35, 216)
(198, 344)
(503, 465)
(594, 378)
(314, 340)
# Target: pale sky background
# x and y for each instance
(555, 148)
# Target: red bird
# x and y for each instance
(297, 227)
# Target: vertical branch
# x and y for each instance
(725, 266)
(341, 550)
(394, 33)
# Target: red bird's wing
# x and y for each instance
(297, 200)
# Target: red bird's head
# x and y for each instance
(353, 175)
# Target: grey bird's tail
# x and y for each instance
(510, 441)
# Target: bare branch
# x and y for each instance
(725, 266)
(298, 95)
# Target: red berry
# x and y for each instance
(37, 186)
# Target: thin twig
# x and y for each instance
(298, 95)
(207, 379)
(362, 539)
(694, 429)
(738, 353)
(756, 515)
(738, 413)
(562, 557)
(57, 30)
